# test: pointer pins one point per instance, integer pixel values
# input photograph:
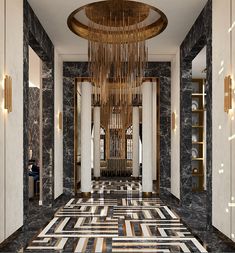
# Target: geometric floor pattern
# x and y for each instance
(116, 187)
(115, 225)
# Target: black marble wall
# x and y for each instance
(199, 36)
(162, 70)
(71, 70)
(34, 122)
(36, 37)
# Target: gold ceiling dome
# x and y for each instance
(117, 20)
(117, 31)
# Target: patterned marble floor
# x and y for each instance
(115, 224)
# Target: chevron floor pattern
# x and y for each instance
(115, 224)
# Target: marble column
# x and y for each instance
(147, 172)
(86, 89)
(96, 142)
(135, 136)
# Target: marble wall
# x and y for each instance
(162, 70)
(199, 36)
(36, 37)
(34, 122)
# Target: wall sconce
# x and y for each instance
(8, 93)
(173, 122)
(60, 120)
(227, 93)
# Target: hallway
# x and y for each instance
(112, 222)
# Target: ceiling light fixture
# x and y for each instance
(117, 31)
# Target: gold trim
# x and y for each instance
(8, 93)
(86, 194)
(83, 79)
(98, 34)
(60, 120)
(173, 121)
(147, 194)
(227, 93)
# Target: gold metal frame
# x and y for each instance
(227, 93)
(147, 32)
(8, 93)
(60, 120)
(173, 122)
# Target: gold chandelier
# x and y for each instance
(117, 31)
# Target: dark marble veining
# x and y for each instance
(162, 70)
(34, 122)
(48, 132)
(196, 219)
(71, 70)
(36, 37)
(38, 217)
(196, 222)
(199, 36)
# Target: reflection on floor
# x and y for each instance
(115, 224)
(117, 187)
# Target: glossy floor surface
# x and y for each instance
(117, 219)
(115, 224)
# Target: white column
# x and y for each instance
(135, 136)
(86, 89)
(96, 141)
(147, 172)
(154, 143)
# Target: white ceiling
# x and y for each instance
(199, 64)
(53, 15)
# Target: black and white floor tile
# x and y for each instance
(117, 187)
(115, 224)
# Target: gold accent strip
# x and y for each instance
(98, 34)
(8, 93)
(86, 194)
(147, 194)
(60, 120)
(83, 79)
(173, 121)
(227, 93)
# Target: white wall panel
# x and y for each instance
(175, 135)
(58, 133)
(2, 167)
(14, 120)
(233, 132)
(221, 121)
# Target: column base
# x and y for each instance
(96, 178)
(147, 194)
(86, 194)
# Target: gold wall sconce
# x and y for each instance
(60, 120)
(173, 122)
(227, 93)
(8, 93)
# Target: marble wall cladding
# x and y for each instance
(162, 70)
(48, 132)
(199, 36)
(36, 37)
(71, 70)
(34, 122)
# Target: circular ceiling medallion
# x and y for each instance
(116, 21)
